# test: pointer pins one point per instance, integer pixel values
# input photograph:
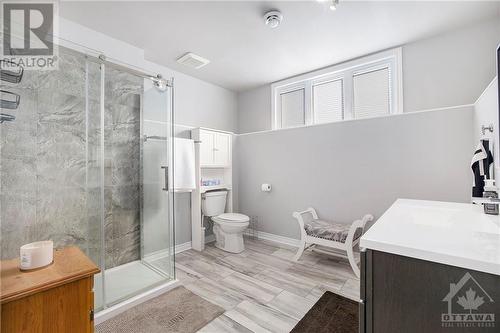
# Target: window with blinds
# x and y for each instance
(372, 93)
(328, 102)
(293, 108)
(361, 88)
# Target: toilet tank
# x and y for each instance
(213, 203)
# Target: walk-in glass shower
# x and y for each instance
(84, 159)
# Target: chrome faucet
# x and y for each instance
(488, 200)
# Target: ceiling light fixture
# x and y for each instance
(334, 4)
(273, 18)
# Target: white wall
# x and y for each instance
(197, 103)
(350, 168)
(486, 111)
(446, 70)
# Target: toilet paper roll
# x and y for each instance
(266, 187)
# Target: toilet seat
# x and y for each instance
(231, 218)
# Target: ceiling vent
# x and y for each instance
(192, 60)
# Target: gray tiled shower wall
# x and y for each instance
(50, 162)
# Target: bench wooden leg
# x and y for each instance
(302, 246)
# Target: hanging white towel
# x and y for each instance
(184, 166)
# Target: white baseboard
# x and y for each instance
(110, 312)
(211, 238)
(182, 247)
(178, 249)
(275, 238)
(164, 253)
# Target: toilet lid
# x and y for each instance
(234, 217)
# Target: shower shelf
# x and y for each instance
(6, 117)
(9, 100)
(13, 75)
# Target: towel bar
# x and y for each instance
(161, 138)
(489, 128)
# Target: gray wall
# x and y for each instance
(254, 110)
(446, 70)
(199, 103)
(450, 69)
(347, 169)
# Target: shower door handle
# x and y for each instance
(165, 168)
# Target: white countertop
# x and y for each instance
(443, 232)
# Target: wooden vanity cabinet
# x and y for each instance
(55, 299)
(402, 294)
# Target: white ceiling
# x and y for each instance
(245, 53)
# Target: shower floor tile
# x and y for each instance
(123, 281)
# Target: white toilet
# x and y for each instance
(228, 227)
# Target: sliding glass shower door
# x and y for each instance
(137, 217)
(85, 156)
(157, 155)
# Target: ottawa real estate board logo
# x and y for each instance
(28, 35)
(468, 305)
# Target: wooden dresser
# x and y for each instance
(55, 299)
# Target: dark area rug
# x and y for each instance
(332, 313)
(177, 311)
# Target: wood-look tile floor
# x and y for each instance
(262, 289)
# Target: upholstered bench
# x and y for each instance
(339, 236)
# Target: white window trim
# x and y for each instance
(344, 71)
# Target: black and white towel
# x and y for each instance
(480, 165)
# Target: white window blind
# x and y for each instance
(292, 108)
(328, 102)
(364, 87)
(372, 93)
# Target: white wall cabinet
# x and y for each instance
(213, 156)
(207, 146)
(222, 149)
(215, 148)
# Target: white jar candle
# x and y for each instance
(36, 255)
